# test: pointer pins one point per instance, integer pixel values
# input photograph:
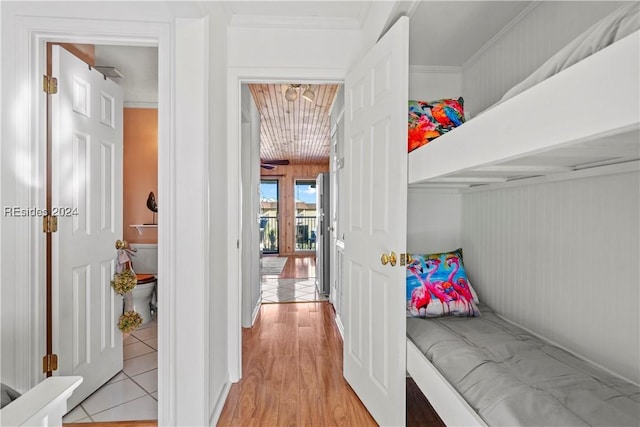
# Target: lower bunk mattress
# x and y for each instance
(512, 378)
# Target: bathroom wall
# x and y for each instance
(140, 172)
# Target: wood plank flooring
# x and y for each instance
(292, 375)
(292, 372)
(299, 267)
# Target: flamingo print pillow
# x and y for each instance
(437, 285)
(429, 120)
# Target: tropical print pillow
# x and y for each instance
(437, 285)
(429, 120)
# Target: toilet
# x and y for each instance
(142, 296)
(145, 264)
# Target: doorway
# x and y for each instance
(269, 224)
(114, 157)
(178, 75)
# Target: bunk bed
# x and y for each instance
(583, 116)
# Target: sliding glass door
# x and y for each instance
(269, 200)
(305, 210)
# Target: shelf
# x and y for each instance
(140, 227)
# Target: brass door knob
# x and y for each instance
(392, 259)
(384, 259)
(121, 244)
(389, 259)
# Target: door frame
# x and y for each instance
(175, 112)
(236, 77)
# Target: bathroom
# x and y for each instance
(132, 393)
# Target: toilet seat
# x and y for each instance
(145, 278)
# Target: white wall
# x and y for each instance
(521, 48)
(434, 219)
(195, 339)
(219, 234)
(278, 47)
(431, 83)
(561, 259)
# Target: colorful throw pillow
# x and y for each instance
(437, 285)
(429, 120)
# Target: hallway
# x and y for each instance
(292, 372)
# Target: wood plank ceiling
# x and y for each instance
(298, 131)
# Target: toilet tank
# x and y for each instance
(146, 258)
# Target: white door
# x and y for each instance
(86, 122)
(376, 92)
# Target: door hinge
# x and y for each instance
(49, 84)
(50, 363)
(49, 224)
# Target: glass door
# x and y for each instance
(305, 210)
(269, 199)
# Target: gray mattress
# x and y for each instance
(512, 378)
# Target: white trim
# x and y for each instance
(43, 405)
(31, 35)
(256, 311)
(340, 326)
(434, 69)
(235, 78)
(219, 406)
(295, 22)
(614, 169)
(141, 105)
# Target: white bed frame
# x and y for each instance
(571, 112)
(590, 110)
(43, 405)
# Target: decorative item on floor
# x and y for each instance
(153, 207)
(124, 280)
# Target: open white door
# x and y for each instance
(376, 93)
(86, 122)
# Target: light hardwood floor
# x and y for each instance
(292, 372)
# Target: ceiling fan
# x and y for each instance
(270, 164)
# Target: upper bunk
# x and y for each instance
(584, 116)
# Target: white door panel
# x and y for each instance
(376, 92)
(86, 120)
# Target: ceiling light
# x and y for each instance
(291, 94)
(309, 95)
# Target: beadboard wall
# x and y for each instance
(562, 259)
(532, 38)
(433, 220)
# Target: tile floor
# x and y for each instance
(133, 393)
(276, 290)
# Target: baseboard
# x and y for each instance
(217, 409)
(340, 326)
(256, 311)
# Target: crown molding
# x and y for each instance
(434, 69)
(294, 22)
